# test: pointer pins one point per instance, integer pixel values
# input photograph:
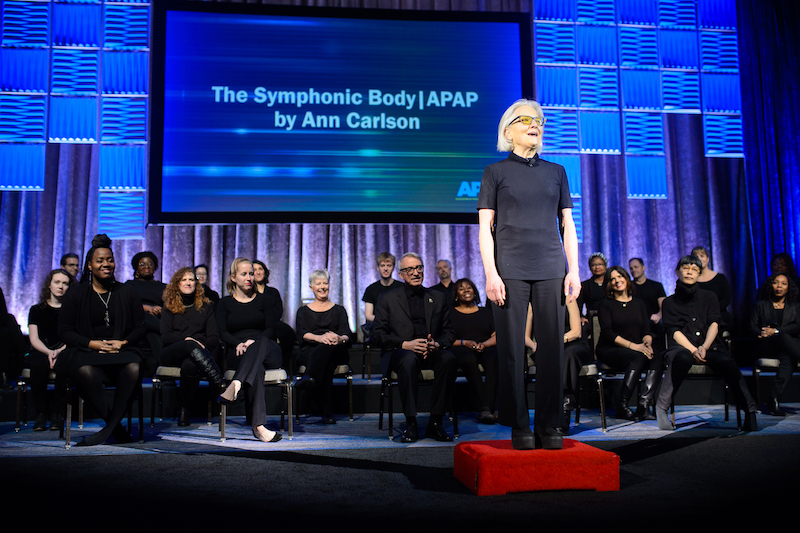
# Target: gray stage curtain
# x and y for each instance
(705, 207)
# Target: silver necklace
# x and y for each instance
(105, 303)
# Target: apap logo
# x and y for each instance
(468, 190)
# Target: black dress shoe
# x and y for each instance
(183, 417)
(549, 439)
(435, 431)
(40, 424)
(305, 382)
(522, 439)
(410, 433)
(774, 408)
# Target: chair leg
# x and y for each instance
(757, 372)
(153, 399)
(602, 403)
(289, 407)
(380, 404)
(21, 397)
(223, 411)
(390, 393)
(350, 394)
(140, 401)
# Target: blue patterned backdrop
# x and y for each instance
(644, 103)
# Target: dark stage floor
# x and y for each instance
(352, 477)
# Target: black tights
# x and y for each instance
(91, 387)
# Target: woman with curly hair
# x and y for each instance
(189, 334)
(45, 343)
(776, 324)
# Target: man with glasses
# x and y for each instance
(412, 326)
(691, 320)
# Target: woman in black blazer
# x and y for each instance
(776, 323)
(101, 322)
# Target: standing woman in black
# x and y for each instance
(325, 338)
(101, 321)
(776, 324)
(45, 343)
(626, 343)
(189, 334)
(244, 321)
(524, 201)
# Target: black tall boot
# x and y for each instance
(207, 364)
(651, 380)
(628, 385)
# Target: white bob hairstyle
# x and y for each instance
(318, 274)
(505, 145)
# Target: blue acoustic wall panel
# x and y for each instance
(74, 71)
(121, 215)
(124, 119)
(25, 23)
(646, 176)
(721, 93)
(557, 86)
(637, 12)
(596, 11)
(717, 14)
(554, 10)
(126, 26)
(599, 87)
(719, 51)
(22, 117)
(125, 72)
(561, 130)
(678, 49)
(596, 45)
(644, 133)
(677, 14)
(723, 135)
(76, 24)
(123, 167)
(681, 91)
(638, 47)
(73, 119)
(22, 167)
(641, 89)
(571, 164)
(555, 43)
(24, 69)
(600, 132)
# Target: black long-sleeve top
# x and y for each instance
(201, 325)
(691, 311)
(75, 326)
(628, 320)
(238, 322)
(477, 326)
(320, 322)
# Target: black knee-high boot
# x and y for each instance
(651, 381)
(628, 385)
(208, 366)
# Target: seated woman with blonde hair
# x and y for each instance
(189, 334)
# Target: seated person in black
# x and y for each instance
(691, 319)
(244, 322)
(626, 344)
(717, 283)
(201, 272)
(102, 322)
(444, 269)
(475, 344)
(324, 335)
(412, 327)
(12, 350)
(151, 292)
(46, 345)
(189, 334)
(592, 292)
(385, 264)
(284, 334)
(776, 324)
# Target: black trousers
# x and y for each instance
(408, 364)
(468, 360)
(264, 354)
(178, 354)
(548, 302)
(320, 362)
